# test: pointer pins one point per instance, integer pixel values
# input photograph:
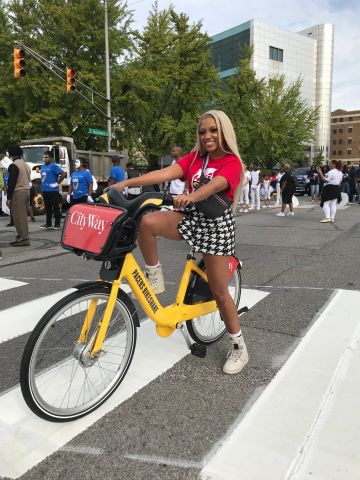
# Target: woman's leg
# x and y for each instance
(333, 204)
(217, 273)
(157, 224)
(326, 209)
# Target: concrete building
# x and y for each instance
(345, 136)
(307, 54)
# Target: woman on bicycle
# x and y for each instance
(214, 238)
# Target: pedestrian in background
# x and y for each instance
(256, 180)
(177, 187)
(267, 191)
(287, 190)
(132, 172)
(116, 174)
(244, 194)
(278, 189)
(18, 195)
(345, 182)
(81, 184)
(331, 195)
(5, 162)
(313, 177)
(51, 176)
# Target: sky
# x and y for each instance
(217, 16)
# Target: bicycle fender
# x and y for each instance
(106, 287)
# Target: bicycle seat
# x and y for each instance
(115, 197)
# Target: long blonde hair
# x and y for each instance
(227, 142)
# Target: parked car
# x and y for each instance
(303, 182)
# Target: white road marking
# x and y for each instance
(15, 321)
(7, 284)
(26, 439)
(306, 423)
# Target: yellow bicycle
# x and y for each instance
(82, 348)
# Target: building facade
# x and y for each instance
(345, 136)
(307, 54)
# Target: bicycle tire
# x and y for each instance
(209, 328)
(55, 383)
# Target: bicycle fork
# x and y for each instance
(93, 347)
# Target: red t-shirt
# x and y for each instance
(227, 166)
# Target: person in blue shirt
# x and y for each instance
(51, 176)
(81, 184)
(117, 174)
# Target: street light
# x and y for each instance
(107, 77)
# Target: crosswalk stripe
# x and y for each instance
(15, 321)
(27, 439)
(7, 284)
(290, 430)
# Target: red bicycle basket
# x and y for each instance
(95, 230)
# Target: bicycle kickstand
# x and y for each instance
(195, 348)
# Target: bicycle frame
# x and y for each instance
(166, 318)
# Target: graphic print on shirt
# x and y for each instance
(208, 175)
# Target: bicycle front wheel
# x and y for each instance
(59, 380)
(208, 328)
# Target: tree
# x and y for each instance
(165, 86)
(69, 33)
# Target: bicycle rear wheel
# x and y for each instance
(208, 328)
(59, 381)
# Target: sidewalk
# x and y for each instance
(306, 423)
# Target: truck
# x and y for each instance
(65, 154)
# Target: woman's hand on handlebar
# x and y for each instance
(119, 186)
(181, 201)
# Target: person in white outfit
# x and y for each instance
(278, 190)
(244, 195)
(255, 187)
(267, 192)
(330, 195)
(177, 187)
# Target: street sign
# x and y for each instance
(94, 131)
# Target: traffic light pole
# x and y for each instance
(107, 77)
(55, 70)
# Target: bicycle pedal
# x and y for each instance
(198, 350)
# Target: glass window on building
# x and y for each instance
(349, 151)
(334, 142)
(340, 152)
(341, 130)
(334, 120)
(227, 53)
(276, 54)
(350, 119)
(335, 130)
(350, 129)
(334, 152)
(340, 141)
(341, 119)
(349, 140)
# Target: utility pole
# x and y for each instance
(107, 77)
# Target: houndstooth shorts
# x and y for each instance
(215, 236)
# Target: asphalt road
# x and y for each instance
(172, 425)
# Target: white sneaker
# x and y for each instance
(332, 220)
(290, 214)
(237, 356)
(280, 214)
(246, 210)
(252, 208)
(257, 208)
(155, 278)
(241, 210)
(325, 220)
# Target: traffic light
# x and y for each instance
(19, 63)
(70, 80)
